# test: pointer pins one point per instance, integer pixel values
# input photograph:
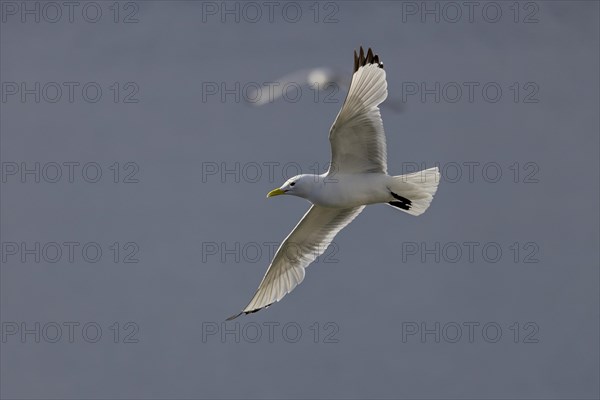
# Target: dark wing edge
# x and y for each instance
(234, 316)
(360, 60)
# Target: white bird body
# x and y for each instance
(357, 177)
(346, 190)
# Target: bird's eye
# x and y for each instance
(292, 183)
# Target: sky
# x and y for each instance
(134, 169)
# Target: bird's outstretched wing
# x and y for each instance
(357, 137)
(307, 241)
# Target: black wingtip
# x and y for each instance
(247, 312)
(369, 56)
(401, 198)
(402, 203)
(360, 60)
(399, 204)
(234, 316)
(257, 309)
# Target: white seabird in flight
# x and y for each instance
(357, 177)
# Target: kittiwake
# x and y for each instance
(357, 176)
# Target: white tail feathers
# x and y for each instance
(413, 193)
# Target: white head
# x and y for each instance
(299, 185)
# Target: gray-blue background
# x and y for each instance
(375, 290)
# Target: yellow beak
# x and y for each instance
(275, 192)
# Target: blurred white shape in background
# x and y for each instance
(324, 84)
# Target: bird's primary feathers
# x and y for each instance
(357, 177)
